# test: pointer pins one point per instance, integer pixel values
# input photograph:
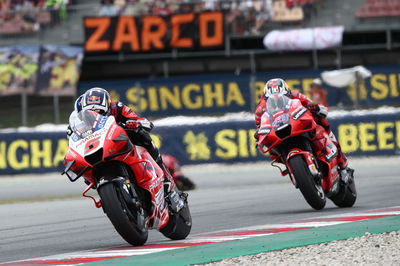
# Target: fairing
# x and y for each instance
(97, 139)
(287, 118)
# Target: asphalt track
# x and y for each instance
(228, 197)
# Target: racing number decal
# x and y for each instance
(92, 145)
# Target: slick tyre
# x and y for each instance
(128, 221)
(312, 192)
(179, 224)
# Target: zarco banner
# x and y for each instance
(154, 33)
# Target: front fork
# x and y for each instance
(309, 158)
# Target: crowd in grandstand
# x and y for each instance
(28, 15)
(243, 17)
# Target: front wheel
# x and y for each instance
(180, 223)
(311, 190)
(128, 220)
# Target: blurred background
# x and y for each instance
(167, 58)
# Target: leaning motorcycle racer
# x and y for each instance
(99, 100)
(279, 86)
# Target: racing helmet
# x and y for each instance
(96, 99)
(275, 86)
(78, 104)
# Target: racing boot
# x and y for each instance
(183, 183)
(167, 175)
(174, 198)
(346, 172)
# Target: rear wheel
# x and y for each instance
(128, 220)
(179, 224)
(311, 190)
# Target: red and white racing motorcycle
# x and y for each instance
(290, 134)
(129, 182)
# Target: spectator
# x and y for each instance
(211, 5)
(239, 16)
(136, 8)
(308, 7)
(107, 8)
(318, 93)
(161, 9)
(264, 13)
(119, 5)
(186, 7)
(58, 10)
(290, 3)
(29, 16)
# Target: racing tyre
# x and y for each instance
(179, 224)
(129, 221)
(311, 190)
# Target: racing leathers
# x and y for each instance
(319, 116)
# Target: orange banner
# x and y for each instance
(154, 33)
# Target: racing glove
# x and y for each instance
(132, 124)
(317, 109)
(313, 107)
(135, 124)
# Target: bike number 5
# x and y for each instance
(92, 145)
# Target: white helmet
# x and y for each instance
(275, 86)
(96, 99)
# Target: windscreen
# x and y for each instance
(276, 103)
(84, 123)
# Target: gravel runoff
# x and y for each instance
(370, 249)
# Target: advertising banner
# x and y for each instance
(44, 70)
(18, 68)
(304, 39)
(59, 69)
(222, 93)
(154, 33)
(188, 95)
(224, 142)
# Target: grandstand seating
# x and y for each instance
(379, 8)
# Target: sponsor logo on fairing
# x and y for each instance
(299, 113)
(264, 130)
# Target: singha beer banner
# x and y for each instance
(186, 95)
(224, 142)
(222, 93)
(44, 70)
(18, 68)
(304, 39)
(154, 33)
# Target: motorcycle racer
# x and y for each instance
(99, 100)
(278, 86)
